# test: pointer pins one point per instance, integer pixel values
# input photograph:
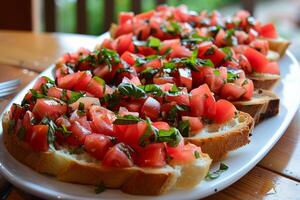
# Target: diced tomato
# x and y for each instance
(118, 156)
(123, 111)
(102, 120)
(151, 108)
(169, 44)
(244, 64)
(145, 15)
(161, 125)
(163, 80)
(202, 101)
(39, 82)
(248, 85)
(272, 68)
(16, 112)
(220, 38)
(108, 44)
(129, 57)
(123, 43)
(268, 31)
(49, 108)
(61, 70)
(153, 155)
(97, 145)
(69, 81)
(185, 77)
(232, 91)
(186, 155)
(179, 52)
(83, 81)
(39, 138)
(123, 29)
(87, 102)
(78, 135)
(96, 86)
(182, 98)
(258, 61)
(27, 124)
(209, 51)
(125, 16)
(194, 122)
(260, 45)
(225, 111)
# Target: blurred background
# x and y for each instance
(94, 17)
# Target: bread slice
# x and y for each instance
(264, 104)
(278, 45)
(83, 169)
(264, 81)
(218, 139)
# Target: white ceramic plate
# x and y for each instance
(240, 161)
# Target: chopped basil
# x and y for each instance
(149, 73)
(75, 96)
(231, 76)
(21, 133)
(184, 128)
(153, 42)
(196, 154)
(217, 72)
(147, 137)
(216, 174)
(230, 39)
(36, 94)
(63, 129)
(111, 99)
(152, 89)
(127, 119)
(171, 137)
(228, 53)
(11, 126)
(174, 111)
(109, 57)
(122, 70)
(143, 60)
(173, 28)
(51, 129)
(129, 89)
(210, 51)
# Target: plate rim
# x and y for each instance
(227, 181)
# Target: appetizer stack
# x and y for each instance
(152, 106)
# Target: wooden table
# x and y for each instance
(23, 55)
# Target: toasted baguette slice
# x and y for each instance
(83, 169)
(218, 139)
(264, 104)
(279, 45)
(264, 81)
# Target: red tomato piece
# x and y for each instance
(118, 156)
(194, 122)
(97, 145)
(232, 91)
(151, 108)
(39, 82)
(153, 155)
(125, 16)
(179, 52)
(83, 81)
(69, 81)
(257, 60)
(78, 135)
(96, 86)
(225, 111)
(182, 99)
(49, 108)
(186, 155)
(39, 138)
(16, 112)
(268, 31)
(185, 77)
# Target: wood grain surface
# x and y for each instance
(277, 176)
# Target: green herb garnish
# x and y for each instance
(216, 174)
(129, 89)
(127, 119)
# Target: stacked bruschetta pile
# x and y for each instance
(152, 106)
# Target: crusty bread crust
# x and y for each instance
(264, 104)
(278, 45)
(217, 145)
(133, 180)
(264, 81)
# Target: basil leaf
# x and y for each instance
(147, 137)
(51, 129)
(228, 52)
(63, 129)
(152, 89)
(184, 128)
(231, 75)
(109, 57)
(216, 174)
(173, 28)
(174, 111)
(149, 73)
(172, 137)
(11, 126)
(129, 89)
(21, 133)
(230, 39)
(143, 60)
(111, 100)
(216, 72)
(75, 96)
(196, 154)
(36, 94)
(153, 42)
(127, 119)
